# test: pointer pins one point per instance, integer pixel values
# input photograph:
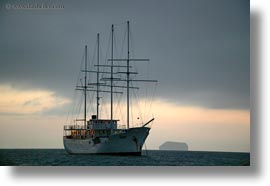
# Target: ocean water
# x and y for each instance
(59, 157)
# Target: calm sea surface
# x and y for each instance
(59, 157)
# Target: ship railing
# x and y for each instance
(74, 127)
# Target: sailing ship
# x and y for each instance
(104, 136)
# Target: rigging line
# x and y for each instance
(148, 70)
(134, 105)
(92, 62)
(101, 105)
(77, 82)
(101, 57)
(90, 106)
(148, 74)
(117, 109)
(107, 111)
(100, 95)
(105, 108)
(123, 43)
(70, 110)
(131, 106)
(80, 105)
(122, 46)
(142, 117)
(75, 94)
(79, 70)
(115, 49)
(147, 96)
(104, 96)
(106, 55)
(120, 103)
(121, 23)
(122, 106)
(152, 100)
(93, 106)
(132, 48)
(132, 43)
(104, 101)
(117, 113)
(115, 42)
(145, 101)
(137, 101)
(76, 105)
(147, 104)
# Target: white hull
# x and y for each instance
(130, 143)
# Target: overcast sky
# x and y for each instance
(199, 49)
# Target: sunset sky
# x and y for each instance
(198, 51)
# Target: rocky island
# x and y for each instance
(175, 146)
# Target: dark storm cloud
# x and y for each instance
(199, 50)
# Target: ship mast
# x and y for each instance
(112, 81)
(98, 84)
(85, 87)
(97, 76)
(127, 74)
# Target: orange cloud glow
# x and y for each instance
(192, 114)
(28, 101)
